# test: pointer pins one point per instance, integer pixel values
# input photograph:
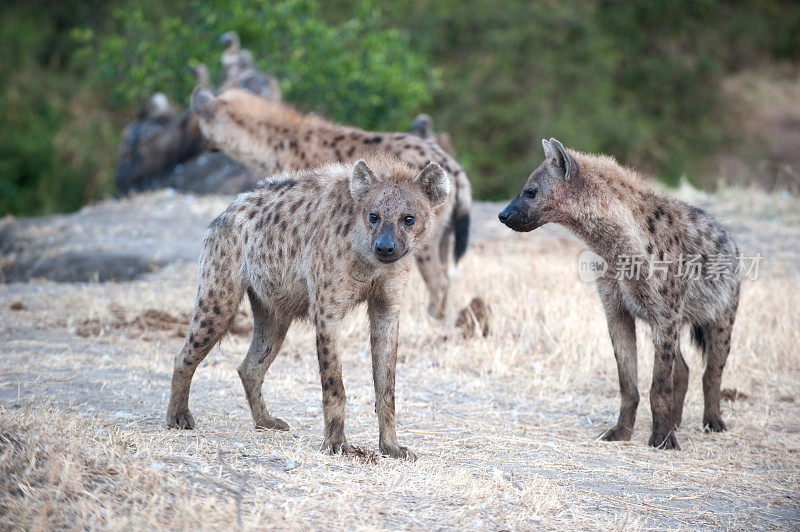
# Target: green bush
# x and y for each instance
(52, 156)
(354, 72)
(637, 79)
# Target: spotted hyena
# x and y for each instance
(626, 224)
(270, 136)
(313, 244)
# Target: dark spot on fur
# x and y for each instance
(695, 213)
(218, 222)
(651, 225)
(280, 184)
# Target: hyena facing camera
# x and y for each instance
(313, 244)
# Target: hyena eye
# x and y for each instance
(530, 193)
(409, 220)
(374, 218)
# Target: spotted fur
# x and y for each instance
(272, 137)
(308, 245)
(619, 216)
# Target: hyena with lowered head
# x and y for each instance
(313, 244)
(270, 137)
(624, 222)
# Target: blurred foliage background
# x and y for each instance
(640, 80)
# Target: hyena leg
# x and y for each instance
(622, 328)
(269, 330)
(383, 325)
(718, 345)
(330, 372)
(680, 383)
(667, 349)
(212, 318)
(436, 278)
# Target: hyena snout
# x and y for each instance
(505, 214)
(515, 218)
(387, 246)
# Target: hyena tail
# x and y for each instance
(461, 213)
(699, 337)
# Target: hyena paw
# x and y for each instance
(271, 423)
(664, 440)
(714, 424)
(331, 447)
(181, 420)
(397, 451)
(616, 433)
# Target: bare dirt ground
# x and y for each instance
(505, 426)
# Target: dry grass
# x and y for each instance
(505, 426)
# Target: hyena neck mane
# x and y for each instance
(606, 205)
(274, 131)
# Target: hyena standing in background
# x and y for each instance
(270, 136)
(313, 244)
(622, 220)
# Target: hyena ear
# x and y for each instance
(435, 183)
(558, 160)
(361, 179)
